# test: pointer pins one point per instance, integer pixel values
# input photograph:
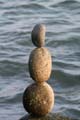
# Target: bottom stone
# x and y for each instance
(38, 99)
(47, 117)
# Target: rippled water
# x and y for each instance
(62, 19)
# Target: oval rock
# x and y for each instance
(40, 64)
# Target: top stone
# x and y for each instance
(38, 35)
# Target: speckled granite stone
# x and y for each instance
(40, 64)
(38, 99)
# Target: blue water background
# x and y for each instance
(62, 20)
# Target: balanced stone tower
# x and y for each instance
(38, 98)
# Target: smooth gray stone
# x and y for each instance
(38, 35)
(47, 117)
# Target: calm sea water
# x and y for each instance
(17, 19)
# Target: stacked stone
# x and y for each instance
(38, 98)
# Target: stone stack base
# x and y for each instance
(50, 116)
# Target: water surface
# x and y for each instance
(17, 19)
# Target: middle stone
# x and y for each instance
(40, 64)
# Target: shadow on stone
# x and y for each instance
(47, 117)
